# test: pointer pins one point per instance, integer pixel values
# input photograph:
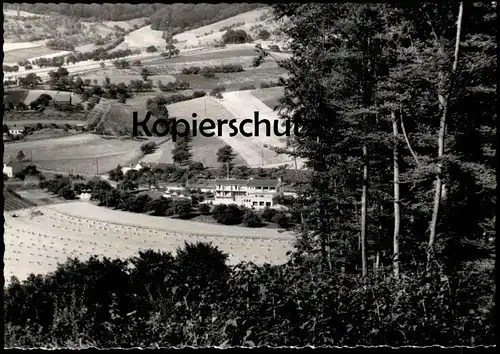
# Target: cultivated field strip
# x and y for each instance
(36, 244)
(242, 105)
(78, 153)
(93, 212)
(12, 201)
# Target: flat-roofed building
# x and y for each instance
(252, 193)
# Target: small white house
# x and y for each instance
(15, 130)
(141, 165)
(12, 168)
(131, 167)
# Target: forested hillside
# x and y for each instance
(162, 16)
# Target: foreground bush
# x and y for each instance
(195, 299)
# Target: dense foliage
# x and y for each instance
(174, 86)
(161, 16)
(195, 299)
(236, 37)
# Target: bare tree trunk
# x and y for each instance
(397, 212)
(444, 101)
(297, 179)
(363, 212)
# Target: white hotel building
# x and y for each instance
(252, 193)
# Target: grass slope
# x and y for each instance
(13, 201)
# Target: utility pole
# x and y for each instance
(97, 165)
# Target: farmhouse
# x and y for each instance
(12, 168)
(141, 165)
(16, 130)
(253, 193)
(131, 167)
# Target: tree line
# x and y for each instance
(177, 15)
(96, 55)
(400, 90)
(210, 71)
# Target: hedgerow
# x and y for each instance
(196, 299)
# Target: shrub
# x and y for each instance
(176, 85)
(204, 209)
(282, 220)
(217, 92)
(232, 215)
(252, 219)
(268, 214)
(248, 87)
(264, 34)
(31, 170)
(192, 70)
(139, 203)
(67, 192)
(142, 298)
(236, 37)
(274, 48)
(127, 185)
(148, 148)
(78, 187)
(158, 206)
(208, 74)
(199, 93)
(151, 49)
(270, 84)
(182, 208)
(218, 211)
(60, 44)
(20, 175)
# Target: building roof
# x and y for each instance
(11, 163)
(232, 182)
(262, 182)
(246, 182)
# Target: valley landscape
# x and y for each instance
(375, 229)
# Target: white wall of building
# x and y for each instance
(16, 131)
(8, 171)
(247, 196)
